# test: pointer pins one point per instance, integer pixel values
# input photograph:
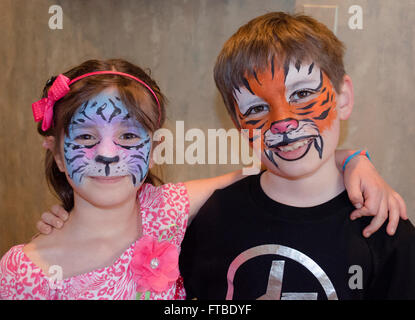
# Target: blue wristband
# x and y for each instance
(357, 153)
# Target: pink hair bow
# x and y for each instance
(43, 109)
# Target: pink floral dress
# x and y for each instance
(164, 212)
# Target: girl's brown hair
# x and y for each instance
(280, 36)
(138, 100)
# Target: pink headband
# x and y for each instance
(43, 109)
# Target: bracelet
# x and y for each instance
(357, 153)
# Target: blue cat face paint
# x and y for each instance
(104, 141)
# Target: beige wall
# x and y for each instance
(179, 40)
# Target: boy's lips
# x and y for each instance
(294, 150)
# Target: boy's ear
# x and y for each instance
(345, 98)
(50, 144)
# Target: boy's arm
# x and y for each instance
(55, 218)
(200, 190)
(370, 194)
(366, 189)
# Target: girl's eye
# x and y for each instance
(254, 110)
(301, 94)
(84, 137)
(128, 139)
(129, 136)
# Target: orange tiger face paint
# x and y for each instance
(292, 106)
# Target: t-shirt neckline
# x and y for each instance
(280, 211)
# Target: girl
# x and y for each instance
(98, 130)
(122, 237)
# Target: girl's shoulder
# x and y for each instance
(165, 210)
(168, 196)
(12, 260)
(18, 276)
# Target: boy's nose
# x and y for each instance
(284, 126)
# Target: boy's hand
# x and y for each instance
(372, 196)
(53, 219)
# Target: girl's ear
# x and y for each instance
(50, 144)
(345, 99)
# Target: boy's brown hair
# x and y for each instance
(280, 36)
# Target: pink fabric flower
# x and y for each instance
(155, 265)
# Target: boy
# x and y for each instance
(286, 233)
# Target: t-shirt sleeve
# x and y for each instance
(394, 263)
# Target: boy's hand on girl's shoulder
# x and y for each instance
(55, 218)
(372, 196)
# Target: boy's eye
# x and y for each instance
(258, 109)
(301, 94)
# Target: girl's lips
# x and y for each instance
(107, 179)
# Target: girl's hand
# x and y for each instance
(372, 196)
(53, 219)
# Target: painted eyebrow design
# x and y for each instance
(310, 68)
(305, 81)
(82, 125)
(128, 122)
(246, 84)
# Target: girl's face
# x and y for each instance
(105, 145)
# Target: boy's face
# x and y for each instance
(295, 108)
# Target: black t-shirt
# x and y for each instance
(244, 245)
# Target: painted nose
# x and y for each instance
(106, 160)
(284, 126)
